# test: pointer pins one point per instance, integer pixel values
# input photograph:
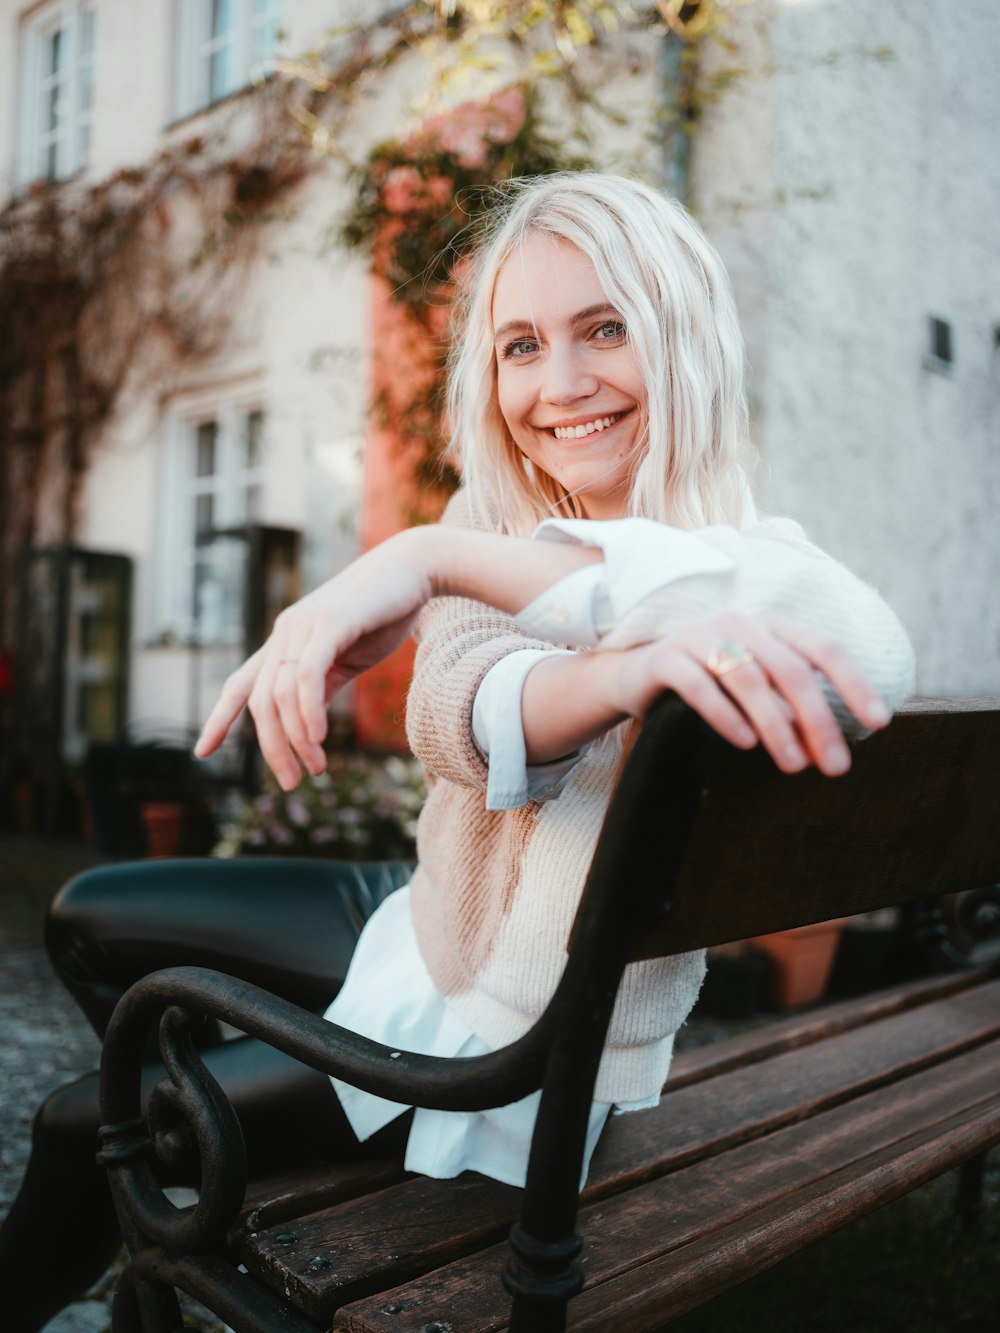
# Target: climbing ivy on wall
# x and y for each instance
(113, 284)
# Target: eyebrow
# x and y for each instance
(581, 316)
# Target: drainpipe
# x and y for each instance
(676, 78)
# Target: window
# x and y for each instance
(212, 495)
(940, 351)
(222, 46)
(57, 91)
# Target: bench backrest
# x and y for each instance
(751, 850)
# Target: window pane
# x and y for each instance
(221, 73)
(222, 17)
(208, 432)
(86, 88)
(263, 35)
(254, 432)
(56, 52)
(204, 516)
(86, 33)
(54, 108)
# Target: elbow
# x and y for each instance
(893, 670)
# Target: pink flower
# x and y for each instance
(298, 813)
(468, 130)
(402, 190)
(438, 190)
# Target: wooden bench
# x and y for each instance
(761, 1144)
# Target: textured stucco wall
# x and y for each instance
(848, 172)
(851, 177)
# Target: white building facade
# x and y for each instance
(848, 174)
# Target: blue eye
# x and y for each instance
(519, 347)
(612, 330)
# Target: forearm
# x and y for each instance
(568, 701)
(505, 572)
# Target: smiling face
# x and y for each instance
(568, 384)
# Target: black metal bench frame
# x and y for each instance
(811, 848)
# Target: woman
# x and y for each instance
(596, 389)
(598, 374)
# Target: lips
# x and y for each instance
(585, 428)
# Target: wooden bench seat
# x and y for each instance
(760, 1145)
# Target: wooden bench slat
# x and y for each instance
(330, 1257)
(664, 1221)
(789, 1034)
(339, 1253)
(707, 1118)
(643, 1299)
(270, 1202)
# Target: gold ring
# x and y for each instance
(727, 656)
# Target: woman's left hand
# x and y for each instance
(754, 680)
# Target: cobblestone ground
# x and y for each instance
(46, 1042)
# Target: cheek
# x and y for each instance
(510, 400)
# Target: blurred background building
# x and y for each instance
(842, 157)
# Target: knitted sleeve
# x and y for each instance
(458, 641)
(655, 579)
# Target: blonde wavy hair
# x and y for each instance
(693, 458)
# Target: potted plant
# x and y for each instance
(802, 959)
(362, 808)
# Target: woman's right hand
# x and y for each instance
(357, 618)
(773, 697)
(318, 646)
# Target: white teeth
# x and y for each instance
(578, 432)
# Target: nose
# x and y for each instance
(567, 378)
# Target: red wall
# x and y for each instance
(403, 366)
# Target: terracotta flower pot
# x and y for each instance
(164, 825)
(802, 959)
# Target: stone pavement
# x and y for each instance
(47, 1041)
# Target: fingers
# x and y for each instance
(279, 692)
(686, 676)
(772, 707)
(782, 696)
(759, 680)
(840, 669)
(229, 705)
(648, 670)
(281, 731)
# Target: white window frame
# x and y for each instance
(252, 55)
(230, 484)
(71, 138)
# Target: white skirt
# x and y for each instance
(388, 995)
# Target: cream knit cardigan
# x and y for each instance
(496, 892)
